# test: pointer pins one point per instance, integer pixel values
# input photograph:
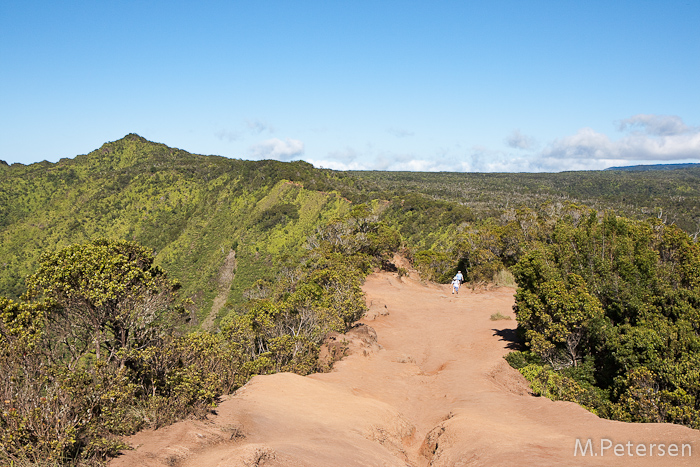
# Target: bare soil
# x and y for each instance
(225, 279)
(424, 384)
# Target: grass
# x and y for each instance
(504, 278)
(498, 316)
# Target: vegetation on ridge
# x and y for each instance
(100, 340)
(611, 307)
(93, 350)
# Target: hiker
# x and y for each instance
(459, 277)
(455, 286)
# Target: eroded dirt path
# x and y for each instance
(433, 390)
(224, 281)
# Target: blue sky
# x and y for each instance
(488, 86)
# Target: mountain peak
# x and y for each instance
(134, 137)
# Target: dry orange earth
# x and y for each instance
(433, 389)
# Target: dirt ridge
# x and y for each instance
(425, 386)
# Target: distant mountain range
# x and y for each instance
(642, 168)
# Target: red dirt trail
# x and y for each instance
(432, 389)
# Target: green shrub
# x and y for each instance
(518, 359)
(611, 302)
(553, 385)
(434, 265)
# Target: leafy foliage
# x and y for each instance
(286, 320)
(65, 382)
(278, 214)
(625, 296)
(106, 293)
(94, 350)
(559, 319)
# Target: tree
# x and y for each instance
(623, 296)
(558, 318)
(104, 295)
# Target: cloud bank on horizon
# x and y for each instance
(645, 139)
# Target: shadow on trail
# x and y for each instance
(510, 336)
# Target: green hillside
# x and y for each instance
(191, 210)
(138, 283)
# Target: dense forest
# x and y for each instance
(138, 283)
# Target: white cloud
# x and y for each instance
(517, 140)
(661, 139)
(553, 164)
(388, 162)
(644, 139)
(454, 159)
(277, 149)
(658, 125)
(585, 144)
(337, 165)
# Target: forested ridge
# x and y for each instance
(110, 264)
(173, 201)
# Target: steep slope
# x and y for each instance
(192, 210)
(432, 390)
